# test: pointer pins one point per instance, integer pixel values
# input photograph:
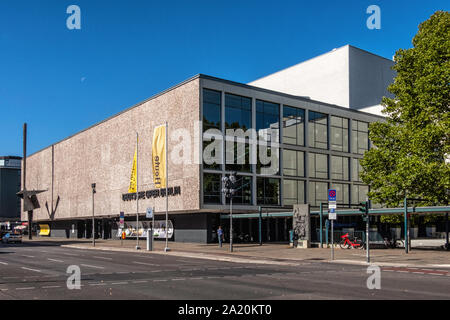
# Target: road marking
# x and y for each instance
(3, 263)
(159, 280)
(178, 279)
(114, 283)
(197, 278)
(142, 281)
(56, 260)
(156, 271)
(106, 258)
(26, 288)
(97, 284)
(147, 264)
(70, 254)
(90, 266)
(51, 287)
(436, 274)
(10, 277)
(419, 272)
(36, 270)
(24, 255)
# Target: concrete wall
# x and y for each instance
(370, 75)
(103, 154)
(348, 77)
(323, 78)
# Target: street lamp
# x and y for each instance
(93, 220)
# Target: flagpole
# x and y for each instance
(137, 192)
(167, 194)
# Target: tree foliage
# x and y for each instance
(412, 148)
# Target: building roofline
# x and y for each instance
(248, 86)
(10, 157)
(121, 112)
(321, 55)
(203, 76)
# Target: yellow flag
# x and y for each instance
(159, 157)
(133, 178)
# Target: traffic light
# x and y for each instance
(364, 207)
(229, 185)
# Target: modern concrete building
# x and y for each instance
(320, 145)
(9, 185)
(348, 77)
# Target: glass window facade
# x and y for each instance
(360, 137)
(212, 188)
(317, 130)
(359, 193)
(293, 126)
(268, 191)
(293, 163)
(212, 115)
(339, 134)
(356, 169)
(243, 193)
(293, 192)
(301, 176)
(340, 168)
(318, 165)
(342, 193)
(268, 120)
(238, 112)
(317, 193)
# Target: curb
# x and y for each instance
(189, 255)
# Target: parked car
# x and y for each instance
(11, 237)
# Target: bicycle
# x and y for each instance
(393, 243)
(347, 244)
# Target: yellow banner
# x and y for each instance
(44, 230)
(133, 178)
(159, 157)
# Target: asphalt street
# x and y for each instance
(39, 271)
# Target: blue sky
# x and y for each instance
(61, 81)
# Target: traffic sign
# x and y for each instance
(332, 215)
(332, 205)
(331, 195)
(121, 219)
(149, 213)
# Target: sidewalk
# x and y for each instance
(268, 253)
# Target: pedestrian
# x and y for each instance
(220, 235)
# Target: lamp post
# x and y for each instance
(93, 220)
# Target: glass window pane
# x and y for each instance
(290, 192)
(290, 162)
(317, 130)
(293, 125)
(211, 109)
(212, 188)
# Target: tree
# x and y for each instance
(411, 153)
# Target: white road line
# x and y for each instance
(3, 289)
(436, 274)
(147, 264)
(51, 287)
(23, 255)
(106, 258)
(4, 263)
(26, 288)
(114, 283)
(56, 260)
(90, 266)
(419, 272)
(198, 278)
(178, 279)
(159, 280)
(143, 281)
(35, 270)
(97, 284)
(70, 254)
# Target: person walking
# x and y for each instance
(220, 235)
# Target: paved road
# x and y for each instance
(38, 271)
